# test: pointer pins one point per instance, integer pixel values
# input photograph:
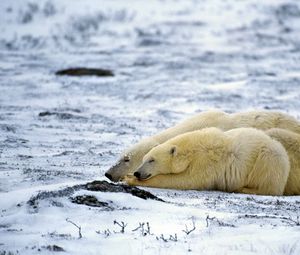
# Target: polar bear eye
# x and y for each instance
(151, 160)
(126, 159)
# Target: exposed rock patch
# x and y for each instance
(54, 247)
(89, 200)
(60, 115)
(82, 71)
(105, 186)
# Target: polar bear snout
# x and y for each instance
(141, 175)
(137, 175)
(113, 174)
(109, 176)
(117, 172)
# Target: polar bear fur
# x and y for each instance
(243, 160)
(291, 143)
(263, 120)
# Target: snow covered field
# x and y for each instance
(171, 59)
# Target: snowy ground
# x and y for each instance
(171, 59)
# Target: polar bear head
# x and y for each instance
(163, 159)
(130, 160)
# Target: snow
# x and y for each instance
(171, 59)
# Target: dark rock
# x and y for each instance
(81, 71)
(43, 114)
(24, 156)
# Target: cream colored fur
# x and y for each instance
(291, 143)
(263, 120)
(242, 160)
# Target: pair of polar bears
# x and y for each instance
(227, 152)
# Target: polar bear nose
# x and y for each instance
(137, 174)
(109, 176)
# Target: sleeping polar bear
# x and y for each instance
(244, 160)
(263, 120)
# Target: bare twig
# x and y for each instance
(144, 231)
(148, 229)
(208, 219)
(79, 227)
(162, 238)
(141, 226)
(122, 225)
(290, 220)
(106, 232)
(171, 238)
(220, 223)
(188, 231)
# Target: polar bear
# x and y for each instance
(243, 160)
(263, 120)
(291, 143)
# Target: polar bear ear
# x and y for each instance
(173, 150)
